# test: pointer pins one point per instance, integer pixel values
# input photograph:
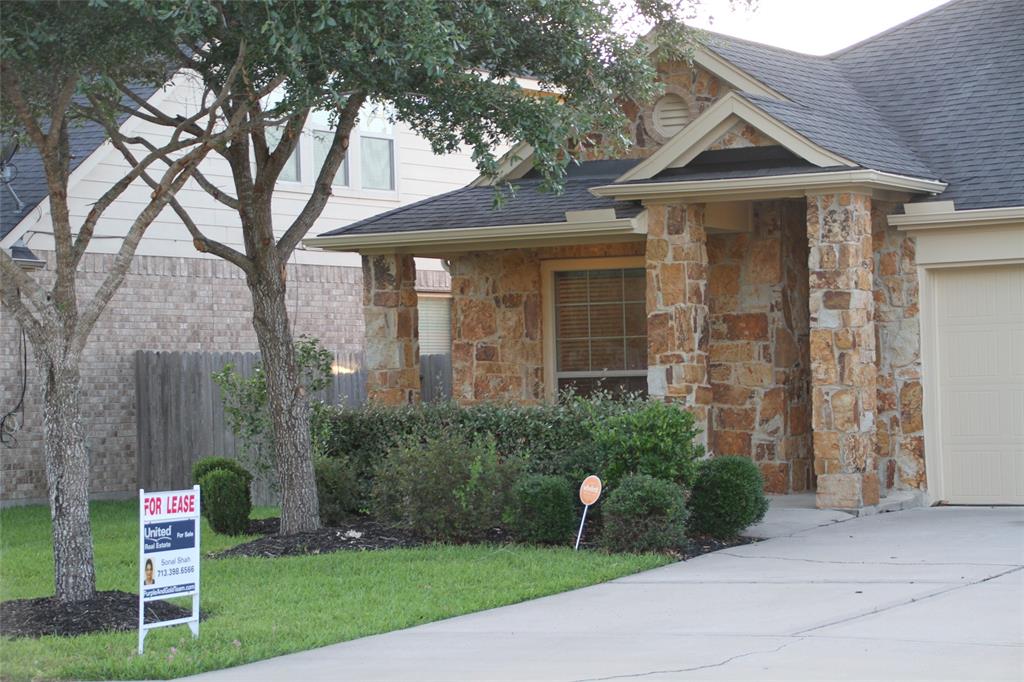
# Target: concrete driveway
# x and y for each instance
(922, 594)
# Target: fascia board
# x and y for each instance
(511, 166)
(481, 237)
(981, 217)
(775, 186)
(713, 62)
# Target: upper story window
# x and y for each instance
(370, 163)
(600, 330)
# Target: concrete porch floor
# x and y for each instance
(927, 594)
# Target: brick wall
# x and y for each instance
(180, 304)
(759, 345)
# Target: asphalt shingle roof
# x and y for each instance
(474, 206)
(30, 181)
(939, 97)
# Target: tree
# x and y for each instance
(449, 71)
(51, 57)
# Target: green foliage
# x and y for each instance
(448, 488)
(543, 509)
(727, 496)
(337, 489)
(226, 502)
(245, 404)
(207, 464)
(644, 514)
(656, 439)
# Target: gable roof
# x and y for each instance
(939, 96)
(29, 182)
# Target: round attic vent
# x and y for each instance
(670, 115)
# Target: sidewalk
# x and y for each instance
(920, 594)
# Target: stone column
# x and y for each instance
(392, 329)
(677, 311)
(843, 370)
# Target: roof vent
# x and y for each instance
(670, 115)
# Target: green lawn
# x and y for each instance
(260, 608)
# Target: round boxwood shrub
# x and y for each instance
(338, 490)
(542, 510)
(644, 514)
(207, 464)
(727, 496)
(225, 501)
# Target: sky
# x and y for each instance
(809, 26)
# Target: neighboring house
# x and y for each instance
(821, 257)
(176, 299)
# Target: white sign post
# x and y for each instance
(168, 554)
(590, 490)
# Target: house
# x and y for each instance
(176, 299)
(821, 257)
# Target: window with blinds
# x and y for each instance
(435, 325)
(601, 330)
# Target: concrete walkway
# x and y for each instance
(924, 594)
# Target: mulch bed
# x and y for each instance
(697, 546)
(359, 534)
(113, 611)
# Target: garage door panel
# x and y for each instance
(980, 353)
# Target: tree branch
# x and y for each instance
(324, 181)
(15, 284)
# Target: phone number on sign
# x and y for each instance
(177, 570)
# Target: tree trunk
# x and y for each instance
(67, 473)
(287, 402)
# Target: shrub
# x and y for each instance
(207, 464)
(337, 489)
(656, 439)
(644, 514)
(727, 496)
(225, 501)
(543, 509)
(446, 489)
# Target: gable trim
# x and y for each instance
(716, 119)
(708, 59)
(770, 187)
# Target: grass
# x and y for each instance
(258, 608)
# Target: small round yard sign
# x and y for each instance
(590, 490)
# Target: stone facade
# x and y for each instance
(165, 304)
(392, 321)
(678, 331)
(497, 346)
(759, 345)
(740, 135)
(899, 423)
(842, 343)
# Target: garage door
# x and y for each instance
(980, 353)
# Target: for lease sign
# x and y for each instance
(169, 543)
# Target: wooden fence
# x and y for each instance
(179, 414)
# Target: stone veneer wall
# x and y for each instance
(167, 304)
(677, 311)
(759, 345)
(742, 134)
(843, 370)
(899, 443)
(497, 347)
(391, 314)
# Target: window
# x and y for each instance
(290, 172)
(377, 147)
(321, 146)
(600, 330)
(435, 325)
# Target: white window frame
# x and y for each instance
(548, 268)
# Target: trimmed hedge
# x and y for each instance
(727, 496)
(337, 490)
(225, 501)
(543, 510)
(644, 514)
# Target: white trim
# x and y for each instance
(708, 59)
(485, 238)
(770, 187)
(548, 268)
(716, 119)
(915, 219)
(512, 165)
